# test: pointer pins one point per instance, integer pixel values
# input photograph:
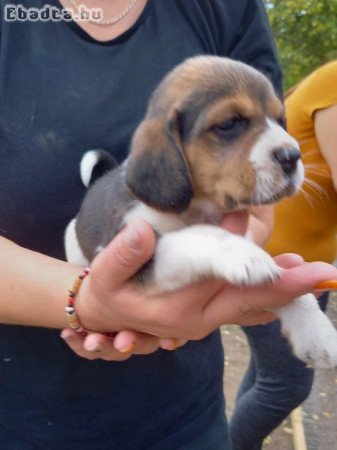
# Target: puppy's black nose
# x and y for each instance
(287, 158)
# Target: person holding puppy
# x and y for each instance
(67, 87)
(305, 224)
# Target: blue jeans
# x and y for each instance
(275, 383)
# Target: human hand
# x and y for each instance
(108, 301)
(125, 343)
(121, 345)
(117, 347)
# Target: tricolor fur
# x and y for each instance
(211, 142)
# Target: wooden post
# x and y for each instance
(296, 419)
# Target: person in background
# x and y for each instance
(306, 224)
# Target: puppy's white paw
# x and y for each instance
(203, 251)
(316, 346)
(310, 332)
(243, 263)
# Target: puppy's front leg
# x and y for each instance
(310, 332)
(201, 251)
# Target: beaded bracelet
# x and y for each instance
(74, 321)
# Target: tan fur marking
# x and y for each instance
(219, 174)
(220, 171)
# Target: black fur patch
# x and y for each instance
(105, 163)
(161, 180)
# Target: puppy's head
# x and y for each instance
(213, 130)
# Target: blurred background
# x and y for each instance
(305, 33)
(306, 37)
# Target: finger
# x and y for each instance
(75, 341)
(257, 318)
(140, 343)
(247, 309)
(125, 341)
(289, 260)
(305, 278)
(236, 222)
(171, 344)
(125, 255)
(94, 346)
(293, 282)
(102, 346)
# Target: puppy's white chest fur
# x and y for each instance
(200, 211)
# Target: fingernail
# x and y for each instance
(170, 344)
(94, 348)
(131, 235)
(327, 285)
(67, 337)
(128, 348)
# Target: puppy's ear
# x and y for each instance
(157, 171)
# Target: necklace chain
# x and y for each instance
(112, 21)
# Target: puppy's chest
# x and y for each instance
(200, 212)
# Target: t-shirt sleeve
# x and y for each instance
(320, 88)
(237, 29)
(251, 39)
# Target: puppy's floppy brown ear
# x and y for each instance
(157, 171)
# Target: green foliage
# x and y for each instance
(305, 33)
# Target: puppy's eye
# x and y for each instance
(231, 127)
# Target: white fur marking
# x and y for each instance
(204, 250)
(199, 211)
(312, 335)
(272, 138)
(73, 250)
(88, 162)
(194, 252)
(160, 221)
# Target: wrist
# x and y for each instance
(34, 287)
(87, 307)
(73, 318)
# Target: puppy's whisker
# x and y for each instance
(316, 189)
(302, 141)
(320, 173)
(315, 185)
(309, 199)
(270, 185)
(315, 165)
(306, 155)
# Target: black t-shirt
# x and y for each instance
(61, 94)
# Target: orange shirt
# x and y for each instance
(307, 223)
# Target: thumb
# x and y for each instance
(289, 260)
(125, 254)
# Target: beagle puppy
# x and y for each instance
(211, 142)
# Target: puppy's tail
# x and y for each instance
(94, 164)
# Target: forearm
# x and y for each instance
(33, 287)
(326, 133)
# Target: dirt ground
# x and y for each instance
(319, 411)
